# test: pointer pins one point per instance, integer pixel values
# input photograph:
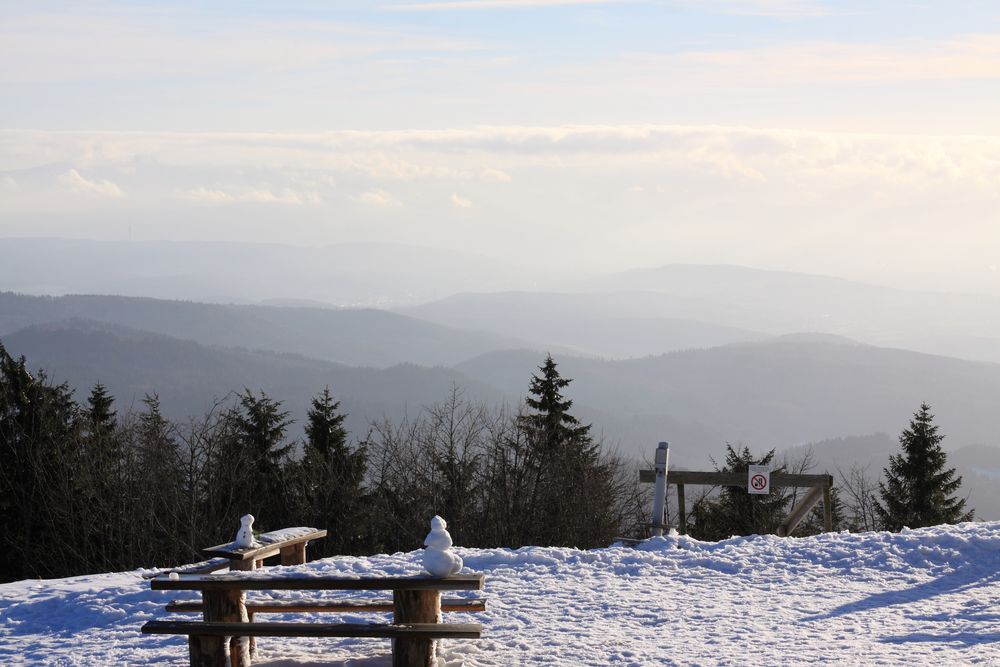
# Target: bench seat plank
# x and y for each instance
(325, 606)
(382, 630)
(252, 582)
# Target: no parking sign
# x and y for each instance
(759, 479)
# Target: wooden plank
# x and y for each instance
(384, 630)
(252, 581)
(266, 549)
(204, 567)
(328, 606)
(678, 477)
(799, 511)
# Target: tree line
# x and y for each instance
(86, 488)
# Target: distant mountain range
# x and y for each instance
(358, 337)
(653, 311)
(357, 274)
(189, 377)
(696, 355)
(632, 313)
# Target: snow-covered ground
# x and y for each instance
(928, 596)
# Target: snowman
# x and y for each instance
(244, 536)
(438, 558)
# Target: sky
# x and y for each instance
(856, 139)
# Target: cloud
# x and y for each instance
(204, 194)
(81, 185)
(492, 4)
(773, 8)
(7, 183)
(495, 176)
(377, 197)
(460, 202)
(260, 195)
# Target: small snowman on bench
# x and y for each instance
(438, 558)
(244, 536)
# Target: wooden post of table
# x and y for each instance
(224, 605)
(682, 514)
(294, 554)
(415, 606)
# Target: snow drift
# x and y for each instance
(929, 596)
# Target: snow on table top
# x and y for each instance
(929, 596)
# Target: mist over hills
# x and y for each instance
(357, 274)
(358, 337)
(777, 302)
(614, 324)
(777, 393)
(631, 313)
(653, 311)
(189, 378)
(772, 394)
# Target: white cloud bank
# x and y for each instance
(863, 205)
(81, 185)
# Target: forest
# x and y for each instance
(86, 487)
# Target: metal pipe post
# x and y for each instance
(660, 492)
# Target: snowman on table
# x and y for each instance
(244, 536)
(438, 558)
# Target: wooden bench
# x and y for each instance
(289, 543)
(416, 608)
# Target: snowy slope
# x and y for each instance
(929, 596)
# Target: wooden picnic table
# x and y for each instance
(416, 614)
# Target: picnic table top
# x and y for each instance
(266, 542)
(258, 581)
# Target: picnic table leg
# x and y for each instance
(294, 554)
(225, 605)
(415, 606)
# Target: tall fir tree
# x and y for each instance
(331, 473)
(918, 489)
(248, 470)
(568, 484)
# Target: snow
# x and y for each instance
(929, 596)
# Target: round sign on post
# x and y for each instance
(759, 479)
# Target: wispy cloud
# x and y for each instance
(260, 195)
(774, 8)
(81, 185)
(453, 5)
(460, 202)
(377, 197)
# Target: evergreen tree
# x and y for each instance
(247, 473)
(39, 502)
(99, 416)
(158, 483)
(736, 512)
(331, 474)
(917, 490)
(551, 428)
(569, 487)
